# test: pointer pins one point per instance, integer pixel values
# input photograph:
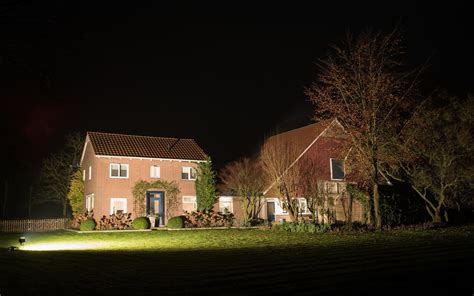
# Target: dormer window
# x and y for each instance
(337, 169)
(188, 173)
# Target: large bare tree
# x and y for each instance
(244, 178)
(365, 86)
(280, 165)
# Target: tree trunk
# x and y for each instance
(378, 216)
(437, 215)
(64, 208)
(349, 210)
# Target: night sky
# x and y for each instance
(223, 75)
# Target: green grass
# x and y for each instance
(239, 262)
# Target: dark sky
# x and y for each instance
(224, 75)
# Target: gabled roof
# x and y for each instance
(107, 144)
(303, 138)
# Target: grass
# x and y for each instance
(237, 262)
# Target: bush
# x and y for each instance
(78, 219)
(118, 221)
(208, 219)
(88, 225)
(255, 222)
(141, 223)
(176, 222)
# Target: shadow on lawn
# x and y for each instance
(435, 268)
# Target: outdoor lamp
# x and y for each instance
(22, 240)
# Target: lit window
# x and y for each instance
(118, 205)
(90, 172)
(337, 169)
(225, 203)
(188, 173)
(90, 203)
(302, 205)
(155, 171)
(83, 175)
(118, 170)
(189, 203)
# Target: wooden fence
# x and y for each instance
(33, 225)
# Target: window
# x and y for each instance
(155, 171)
(337, 169)
(118, 170)
(118, 205)
(83, 175)
(303, 206)
(225, 203)
(90, 202)
(188, 173)
(90, 172)
(189, 203)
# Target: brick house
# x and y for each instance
(327, 146)
(113, 163)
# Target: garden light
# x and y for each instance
(22, 240)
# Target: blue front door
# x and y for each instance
(155, 206)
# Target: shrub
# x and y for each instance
(255, 222)
(118, 221)
(141, 223)
(88, 225)
(176, 222)
(208, 219)
(78, 219)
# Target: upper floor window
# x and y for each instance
(155, 171)
(90, 173)
(118, 170)
(188, 173)
(83, 175)
(337, 169)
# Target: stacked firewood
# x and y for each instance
(117, 221)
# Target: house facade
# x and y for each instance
(113, 164)
(325, 146)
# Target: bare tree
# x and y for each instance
(364, 85)
(438, 147)
(312, 188)
(244, 179)
(57, 171)
(281, 168)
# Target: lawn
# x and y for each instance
(236, 262)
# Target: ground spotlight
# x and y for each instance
(22, 240)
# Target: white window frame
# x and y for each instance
(120, 168)
(343, 168)
(90, 172)
(90, 202)
(155, 169)
(188, 171)
(226, 199)
(112, 199)
(306, 210)
(194, 203)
